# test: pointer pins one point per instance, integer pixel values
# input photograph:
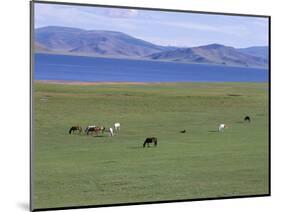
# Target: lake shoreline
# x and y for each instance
(66, 82)
(70, 82)
(151, 60)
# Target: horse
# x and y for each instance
(222, 127)
(183, 131)
(109, 130)
(87, 129)
(94, 129)
(247, 118)
(150, 140)
(117, 126)
(74, 129)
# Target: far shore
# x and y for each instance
(66, 82)
(144, 59)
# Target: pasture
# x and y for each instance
(87, 170)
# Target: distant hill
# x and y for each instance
(213, 53)
(258, 51)
(41, 48)
(66, 40)
(94, 42)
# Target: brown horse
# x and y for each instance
(75, 129)
(150, 140)
(94, 130)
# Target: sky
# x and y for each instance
(159, 27)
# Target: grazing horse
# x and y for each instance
(247, 118)
(150, 140)
(110, 131)
(117, 126)
(222, 127)
(88, 128)
(94, 129)
(74, 129)
(183, 131)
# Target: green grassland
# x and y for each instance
(87, 170)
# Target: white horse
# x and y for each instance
(222, 127)
(117, 126)
(111, 131)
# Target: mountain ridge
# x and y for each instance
(212, 53)
(106, 43)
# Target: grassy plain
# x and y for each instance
(86, 170)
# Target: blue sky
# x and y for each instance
(164, 28)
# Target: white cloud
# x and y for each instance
(122, 13)
(157, 27)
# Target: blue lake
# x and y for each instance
(91, 69)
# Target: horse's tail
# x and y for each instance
(155, 142)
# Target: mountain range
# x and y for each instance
(74, 41)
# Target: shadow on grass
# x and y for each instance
(99, 136)
(234, 94)
(94, 136)
(135, 147)
(213, 131)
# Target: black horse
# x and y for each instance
(183, 131)
(75, 129)
(247, 118)
(150, 140)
